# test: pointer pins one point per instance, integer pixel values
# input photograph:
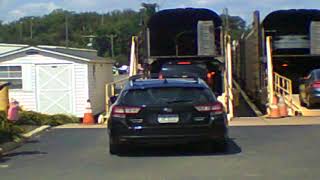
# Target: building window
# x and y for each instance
(13, 75)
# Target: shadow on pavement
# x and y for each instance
(8, 156)
(24, 153)
(32, 141)
(3, 160)
(182, 150)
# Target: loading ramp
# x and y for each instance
(303, 110)
(283, 88)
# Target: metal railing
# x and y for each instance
(111, 90)
(283, 88)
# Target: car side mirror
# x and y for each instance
(113, 99)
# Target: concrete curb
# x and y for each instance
(81, 126)
(35, 131)
(9, 146)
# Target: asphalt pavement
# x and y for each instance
(268, 152)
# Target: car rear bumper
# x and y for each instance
(167, 135)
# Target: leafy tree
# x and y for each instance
(237, 26)
(51, 30)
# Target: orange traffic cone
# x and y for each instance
(274, 100)
(283, 109)
(273, 110)
(88, 116)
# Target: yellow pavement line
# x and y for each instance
(246, 98)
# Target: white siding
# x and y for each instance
(27, 96)
(99, 75)
(80, 88)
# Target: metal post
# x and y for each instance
(270, 70)
(230, 87)
(133, 58)
(148, 43)
(107, 98)
(113, 92)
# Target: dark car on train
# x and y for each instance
(166, 111)
(310, 89)
(207, 69)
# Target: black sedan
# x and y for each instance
(166, 111)
(310, 89)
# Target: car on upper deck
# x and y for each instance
(310, 89)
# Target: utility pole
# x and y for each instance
(20, 31)
(226, 13)
(66, 30)
(31, 27)
(102, 18)
(112, 36)
(112, 47)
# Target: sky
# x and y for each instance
(11, 10)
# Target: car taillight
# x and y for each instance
(122, 111)
(184, 62)
(216, 108)
(160, 76)
(316, 84)
(210, 75)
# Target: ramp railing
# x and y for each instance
(112, 89)
(283, 88)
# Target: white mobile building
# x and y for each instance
(54, 80)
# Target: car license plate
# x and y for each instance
(168, 118)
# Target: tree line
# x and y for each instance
(88, 30)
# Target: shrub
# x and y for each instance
(35, 118)
(8, 131)
(59, 119)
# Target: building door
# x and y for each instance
(55, 88)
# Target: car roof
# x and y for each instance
(169, 82)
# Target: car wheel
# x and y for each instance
(309, 104)
(302, 103)
(114, 147)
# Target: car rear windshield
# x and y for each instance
(164, 96)
(180, 70)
